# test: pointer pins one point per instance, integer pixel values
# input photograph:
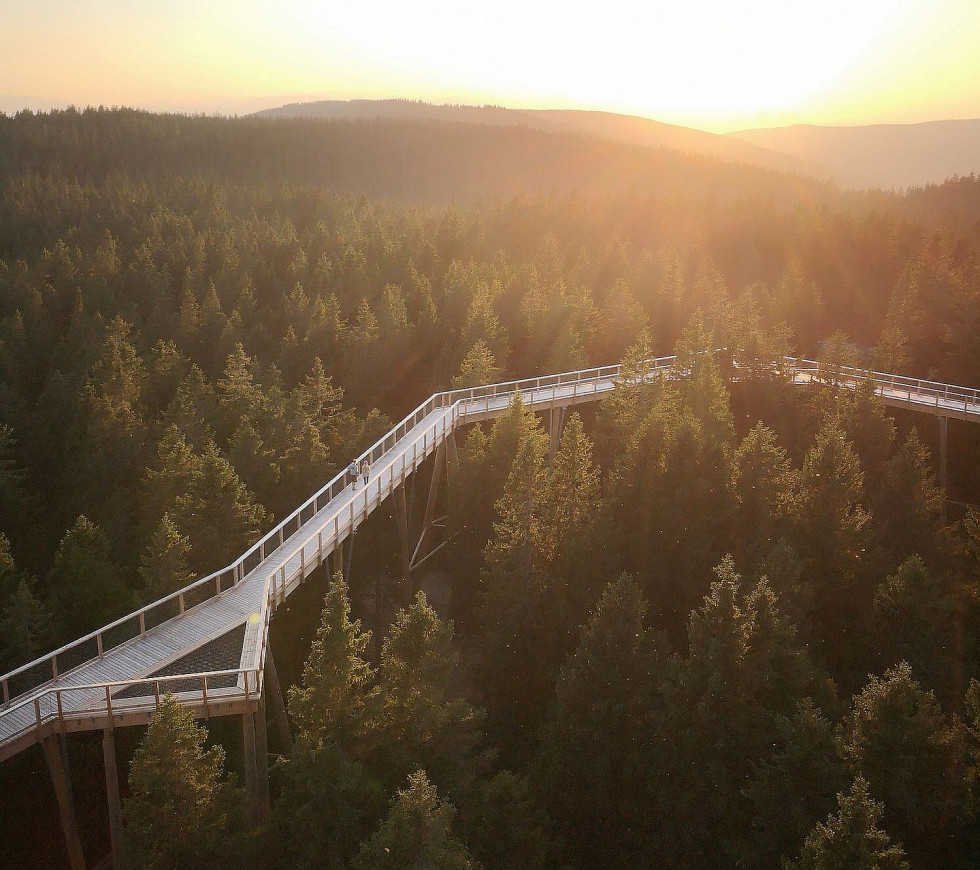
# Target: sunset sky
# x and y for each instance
(718, 65)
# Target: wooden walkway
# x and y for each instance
(104, 678)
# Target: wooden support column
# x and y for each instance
(350, 556)
(56, 756)
(337, 560)
(264, 803)
(376, 634)
(452, 457)
(401, 517)
(943, 480)
(452, 460)
(556, 422)
(251, 769)
(112, 795)
(278, 703)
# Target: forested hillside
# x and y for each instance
(730, 624)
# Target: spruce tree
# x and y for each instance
(26, 630)
(478, 367)
(898, 739)
(181, 811)
(851, 839)
(85, 588)
(330, 703)
(595, 757)
(163, 565)
(417, 835)
(765, 489)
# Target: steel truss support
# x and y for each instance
(448, 455)
(56, 755)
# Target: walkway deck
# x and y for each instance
(105, 677)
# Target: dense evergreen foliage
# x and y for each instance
(725, 621)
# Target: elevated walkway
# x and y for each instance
(117, 675)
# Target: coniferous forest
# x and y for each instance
(731, 622)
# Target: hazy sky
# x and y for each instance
(715, 64)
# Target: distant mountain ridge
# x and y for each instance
(628, 129)
(889, 155)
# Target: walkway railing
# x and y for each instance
(917, 391)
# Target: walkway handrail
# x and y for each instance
(911, 386)
(50, 699)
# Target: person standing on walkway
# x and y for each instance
(352, 473)
(365, 471)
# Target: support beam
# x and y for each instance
(277, 700)
(401, 517)
(263, 801)
(452, 457)
(943, 480)
(337, 560)
(556, 423)
(112, 796)
(251, 766)
(56, 756)
(350, 556)
(376, 634)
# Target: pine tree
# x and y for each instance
(833, 533)
(744, 673)
(217, 512)
(861, 416)
(792, 788)
(239, 397)
(632, 398)
(569, 500)
(912, 619)
(833, 518)
(421, 725)
(504, 825)
(17, 506)
(908, 504)
(108, 449)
